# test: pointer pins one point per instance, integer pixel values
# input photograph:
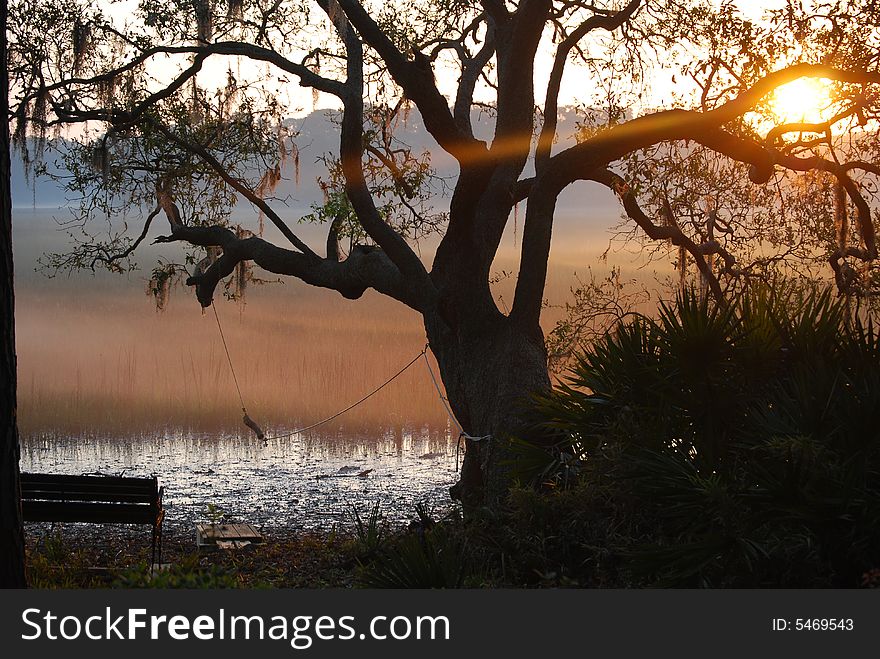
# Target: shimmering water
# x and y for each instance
(296, 482)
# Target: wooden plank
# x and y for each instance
(145, 488)
(238, 531)
(86, 481)
(246, 532)
(49, 477)
(210, 534)
(87, 487)
(48, 511)
(108, 497)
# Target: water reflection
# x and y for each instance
(302, 482)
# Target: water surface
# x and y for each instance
(295, 483)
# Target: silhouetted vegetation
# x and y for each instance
(713, 446)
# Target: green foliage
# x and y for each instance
(214, 513)
(370, 533)
(426, 554)
(186, 574)
(51, 564)
(726, 446)
(424, 558)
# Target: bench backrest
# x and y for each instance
(68, 498)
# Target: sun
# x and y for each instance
(805, 100)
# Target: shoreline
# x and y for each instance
(75, 555)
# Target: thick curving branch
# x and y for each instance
(416, 78)
(670, 125)
(551, 102)
(587, 160)
(351, 153)
(366, 267)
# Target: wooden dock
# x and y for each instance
(210, 537)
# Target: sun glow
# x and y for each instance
(805, 100)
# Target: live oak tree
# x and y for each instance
(677, 120)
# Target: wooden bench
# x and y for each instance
(109, 499)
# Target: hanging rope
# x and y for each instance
(357, 402)
(448, 409)
(445, 401)
(228, 358)
(250, 423)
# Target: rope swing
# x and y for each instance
(250, 423)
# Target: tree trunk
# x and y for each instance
(11, 530)
(489, 369)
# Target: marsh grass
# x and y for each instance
(110, 364)
(96, 359)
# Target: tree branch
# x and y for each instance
(551, 108)
(671, 232)
(351, 151)
(111, 258)
(496, 9)
(537, 229)
(417, 80)
(762, 161)
(237, 185)
(366, 267)
(471, 68)
(517, 45)
(617, 141)
(776, 133)
(121, 118)
(308, 78)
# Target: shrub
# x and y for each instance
(725, 446)
(426, 554)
